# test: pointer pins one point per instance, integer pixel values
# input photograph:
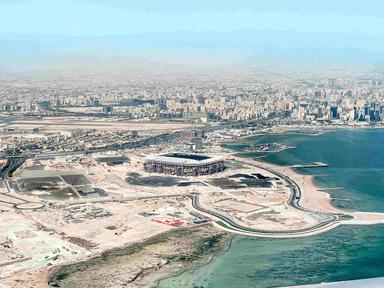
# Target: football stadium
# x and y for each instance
(184, 164)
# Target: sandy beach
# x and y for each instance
(315, 199)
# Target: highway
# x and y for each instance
(235, 227)
(229, 223)
(173, 136)
(326, 219)
(13, 162)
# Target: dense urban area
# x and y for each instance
(141, 161)
(213, 96)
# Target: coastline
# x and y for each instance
(211, 259)
(169, 271)
(293, 129)
(313, 198)
(144, 262)
(314, 192)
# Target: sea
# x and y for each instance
(356, 176)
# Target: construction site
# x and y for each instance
(184, 164)
(66, 208)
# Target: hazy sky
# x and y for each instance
(39, 34)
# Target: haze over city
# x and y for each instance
(197, 144)
(42, 34)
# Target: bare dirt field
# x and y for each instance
(69, 123)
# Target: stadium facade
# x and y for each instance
(184, 164)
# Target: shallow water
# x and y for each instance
(344, 253)
(356, 164)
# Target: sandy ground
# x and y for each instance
(312, 197)
(38, 246)
(256, 207)
(315, 199)
(142, 263)
(27, 279)
(48, 237)
(366, 218)
(123, 227)
(68, 123)
(38, 234)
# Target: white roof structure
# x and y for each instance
(189, 159)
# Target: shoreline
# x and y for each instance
(316, 193)
(291, 130)
(164, 255)
(211, 259)
(313, 197)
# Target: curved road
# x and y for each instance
(327, 219)
(14, 162)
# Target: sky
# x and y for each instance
(47, 34)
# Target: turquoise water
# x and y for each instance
(355, 158)
(356, 164)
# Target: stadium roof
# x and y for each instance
(176, 158)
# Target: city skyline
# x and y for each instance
(219, 144)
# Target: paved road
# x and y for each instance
(164, 137)
(296, 191)
(13, 162)
(228, 223)
(326, 219)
